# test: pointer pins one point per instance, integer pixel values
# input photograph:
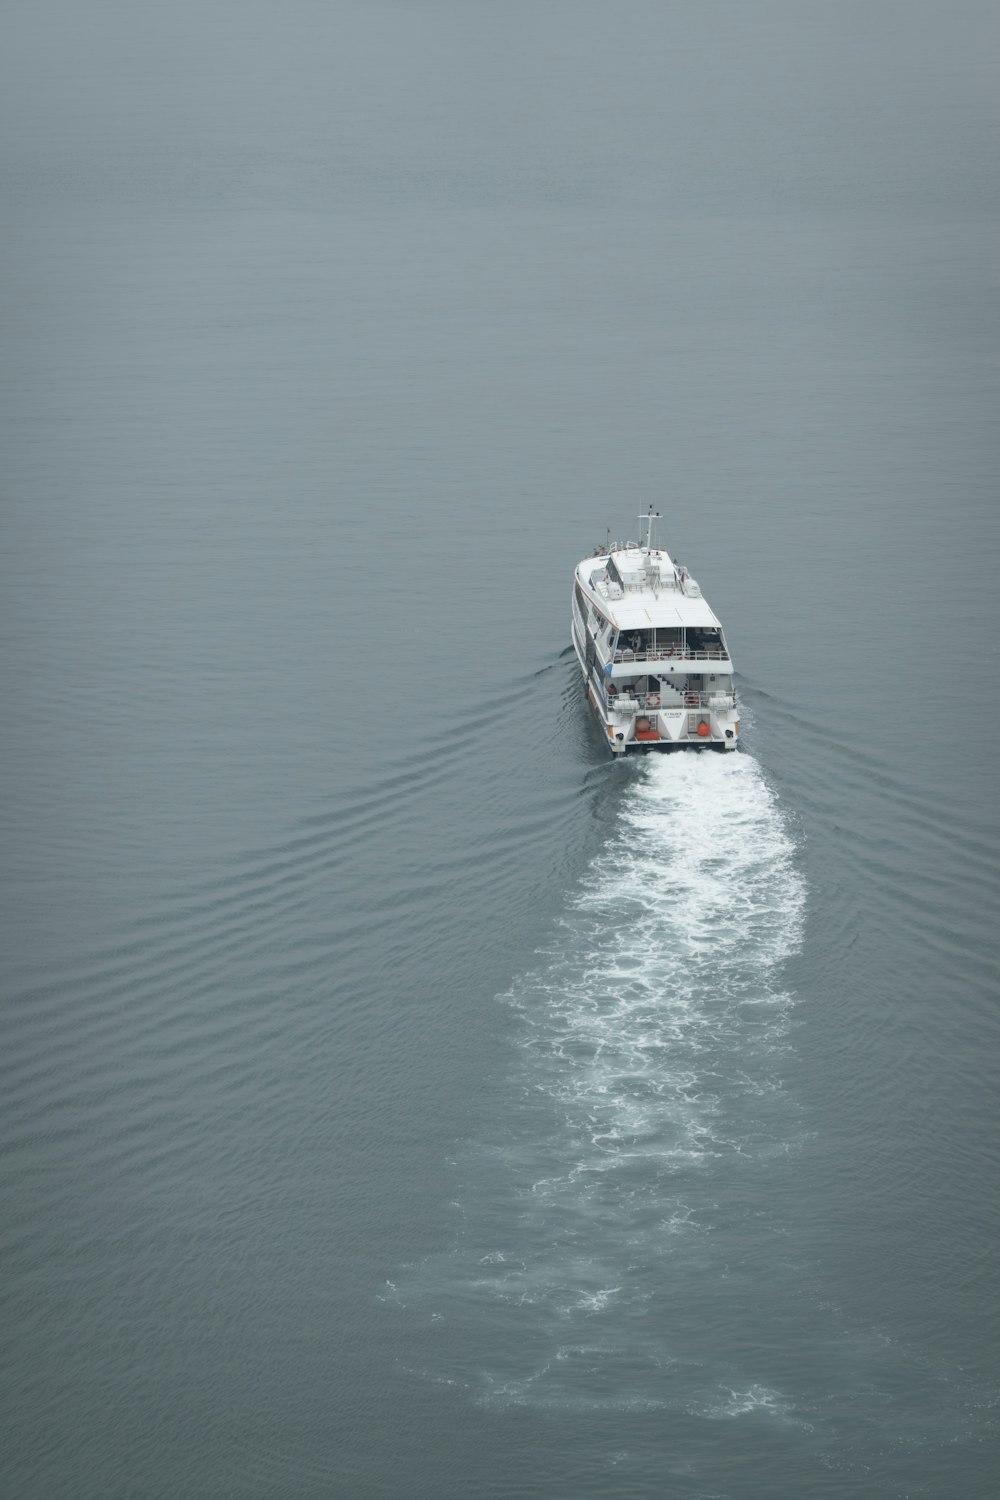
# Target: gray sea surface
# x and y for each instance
(400, 1099)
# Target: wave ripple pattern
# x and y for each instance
(645, 1096)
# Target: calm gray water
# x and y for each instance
(401, 1100)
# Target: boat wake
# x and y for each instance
(644, 1094)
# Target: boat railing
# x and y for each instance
(610, 590)
(670, 653)
(631, 703)
(663, 583)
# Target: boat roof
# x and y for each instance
(643, 603)
(631, 614)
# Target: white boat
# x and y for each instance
(653, 656)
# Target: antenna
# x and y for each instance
(650, 518)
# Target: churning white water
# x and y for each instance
(646, 1087)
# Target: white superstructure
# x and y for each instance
(653, 655)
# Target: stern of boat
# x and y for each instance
(637, 725)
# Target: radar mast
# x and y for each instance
(651, 517)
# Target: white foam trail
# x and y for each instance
(668, 948)
(756, 1398)
(647, 1043)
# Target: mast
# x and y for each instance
(650, 519)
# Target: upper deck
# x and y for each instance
(642, 588)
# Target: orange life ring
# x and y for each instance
(691, 700)
(652, 700)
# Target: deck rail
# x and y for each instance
(670, 653)
(639, 703)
